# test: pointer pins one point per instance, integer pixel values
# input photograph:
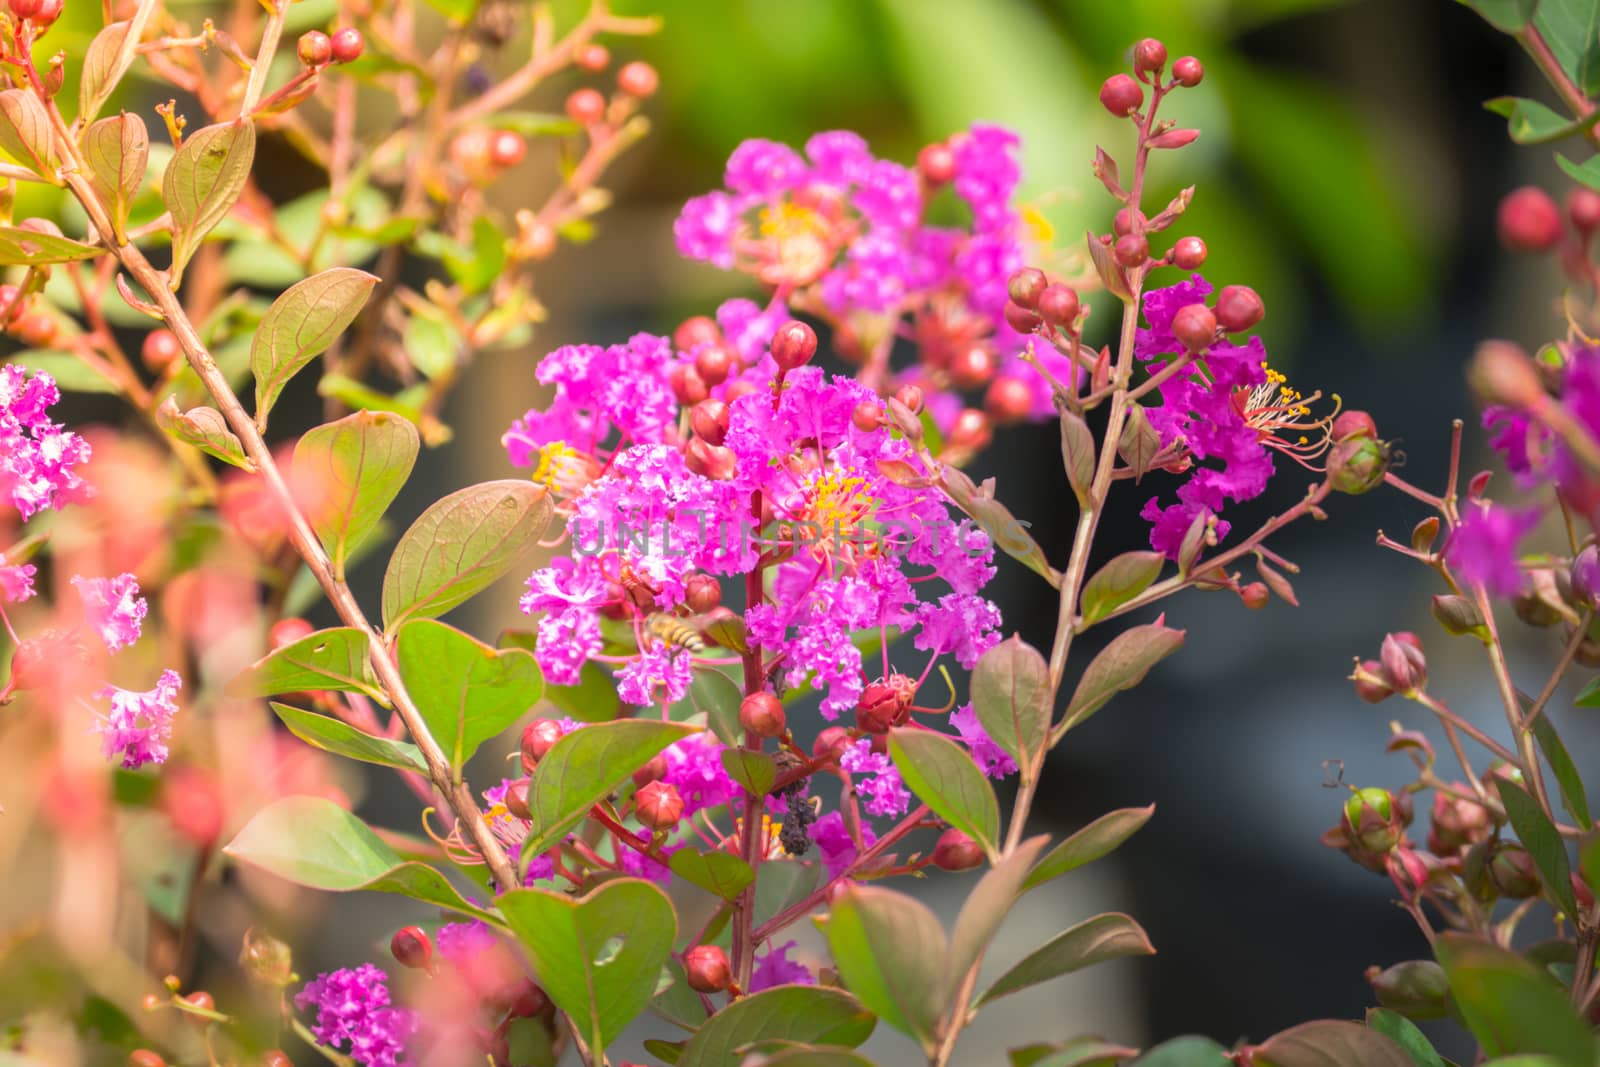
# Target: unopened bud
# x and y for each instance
(936, 163)
(412, 948)
(762, 714)
(956, 852)
(516, 798)
(1022, 319)
(1059, 305)
(1121, 95)
(1026, 286)
(658, 805)
(1583, 208)
(714, 363)
(1239, 308)
(971, 431)
(1358, 465)
(143, 1057)
(1131, 250)
(586, 107)
(1008, 401)
(314, 48)
(1403, 662)
(1189, 253)
(707, 969)
(347, 45)
(1513, 872)
(698, 330)
(1149, 55)
(1502, 373)
(538, 737)
(702, 593)
(911, 397)
(1457, 823)
(1370, 820)
(1195, 326)
(793, 345)
(1353, 424)
(1417, 989)
(653, 771)
(1256, 595)
(1586, 576)
(710, 461)
(288, 631)
(709, 420)
(1528, 220)
(638, 79)
(973, 366)
(867, 417)
(1188, 72)
(688, 388)
(830, 744)
(266, 959)
(528, 1000)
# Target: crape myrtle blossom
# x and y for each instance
(355, 1016)
(1484, 547)
(139, 725)
(38, 457)
(16, 582)
(113, 608)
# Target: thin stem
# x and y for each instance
(1538, 48)
(1453, 721)
(276, 13)
(1508, 696)
(1573, 643)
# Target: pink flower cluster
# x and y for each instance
(354, 1015)
(38, 457)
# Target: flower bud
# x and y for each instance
(528, 1000)
(592, 57)
(537, 738)
(1008, 401)
(142, 1057)
(266, 959)
(1127, 220)
(1189, 253)
(516, 798)
(658, 805)
(707, 969)
(1255, 596)
(1353, 424)
(867, 417)
(936, 163)
(710, 461)
(1059, 306)
(412, 948)
(1149, 55)
(1457, 823)
(687, 386)
(288, 631)
(1026, 286)
(1371, 683)
(1583, 209)
(1512, 871)
(880, 709)
(1357, 465)
(506, 149)
(1417, 989)
(1195, 326)
(714, 363)
(192, 802)
(1528, 220)
(586, 107)
(1502, 373)
(1586, 576)
(1239, 308)
(972, 367)
(956, 852)
(160, 350)
(830, 744)
(911, 397)
(971, 431)
(1370, 820)
(205, 1002)
(698, 330)
(702, 593)
(793, 345)
(638, 79)
(1022, 319)
(314, 48)
(653, 771)
(709, 420)
(1408, 870)
(347, 45)
(1403, 662)
(1121, 95)
(762, 715)
(1131, 250)
(25, 9)
(1187, 72)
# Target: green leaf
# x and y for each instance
(677, 1003)
(1011, 698)
(1083, 1052)
(20, 246)
(117, 151)
(1103, 836)
(593, 699)
(100, 72)
(598, 957)
(1110, 936)
(459, 546)
(1416, 989)
(203, 181)
(1139, 443)
(986, 907)
(942, 775)
(716, 696)
(457, 11)
(1404, 1032)
(1189, 1051)
(1511, 1005)
(584, 767)
(815, 1057)
(25, 133)
(300, 325)
(716, 872)
(354, 468)
(1077, 449)
(1119, 581)
(1530, 122)
(1122, 664)
(1586, 173)
(1573, 796)
(1572, 30)
(342, 739)
(806, 1014)
(71, 374)
(1543, 842)
(313, 842)
(1508, 16)
(327, 659)
(536, 123)
(891, 953)
(754, 771)
(206, 429)
(1331, 1043)
(466, 691)
(1589, 858)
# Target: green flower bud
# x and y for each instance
(1357, 464)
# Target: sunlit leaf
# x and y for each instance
(943, 776)
(342, 739)
(327, 659)
(1104, 937)
(203, 181)
(355, 467)
(807, 1014)
(300, 325)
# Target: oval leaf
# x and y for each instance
(203, 181)
(1077, 454)
(327, 659)
(25, 133)
(206, 429)
(1543, 842)
(342, 739)
(1510, 1004)
(584, 767)
(354, 469)
(100, 73)
(1122, 664)
(1104, 937)
(1097, 839)
(24, 247)
(460, 545)
(570, 944)
(715, 872)
(313, 842)
(807, 1014)
(300, 325)
(890, 951)
(942, 775)
(1118, 582)
(1331, 1043)
(754, 771)
(1191, 1051)
(117, 151)
(466, 691)
(1011, 698)
(1404, 1032)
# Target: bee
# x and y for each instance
(675, 633)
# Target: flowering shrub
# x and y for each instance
(751, 584)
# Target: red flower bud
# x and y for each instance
(698, 330)
(1371, 681)
(707, 969)
(1513, 872)
(1358, 464)
(1502, 373)
(1121, 95)
(830, 744)
(956, 852)
(592, 57)
(687, 385)
(1149, 55)
(506, 149)
(1256, 595)
(276, 1057)
(1009, 401)
(25, 9)
(1131, 250)
(1021, 319)
(412, 948)
(936, 163)
(1025, 287)
(1127, 220)
(709, 420)
(516, 798)
(658, 805)
(710, 461)
(160, 350)
(1059, 305)
(653, 771)
(1586, 576)
(1239, 308)
(537, 738)
(288, 631)
(1188, 72)
(528, 1000)
(1583, 208)
(1370, 820)
(1457, 824)
(714, 363)
(1189, 253)
(1403, 662)
(702, 593)
(911, 397)
(586, 107)
(143, 1057)
(972, 367)
(193, 804)
(638, 79)
(867, 417)
(1196, 326)
(314, 49)
(762, 715)
(971, 431)
(793, 345)
(347, 45)
(1529, 220)
(1353, 424)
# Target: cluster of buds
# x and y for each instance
(1400, 667)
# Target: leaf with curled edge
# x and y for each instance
(203, 181)
(1111, 275)
(117, 149)
(1139, 443)
(205, 428)
(25, 133)
(357, 466)
(21, 246)
(1077, 454)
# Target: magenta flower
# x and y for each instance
(694, 767)
(139, 725)
(775, 968)
(38, 458)
(112, 607)
(990, 757)
(1483, 549)
(460, 942)
(875, 778)
(833, 841)
(354, 1015)
(16, 582)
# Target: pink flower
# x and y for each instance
(38, 458)
(1483, 549)
(989, 757)
(16, 582)
(876, 779)
(775, 968)
(354, 1015)
(140, 724)
(113, 607)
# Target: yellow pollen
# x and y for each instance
(790, 220)
(840, 500)
(550, 463)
